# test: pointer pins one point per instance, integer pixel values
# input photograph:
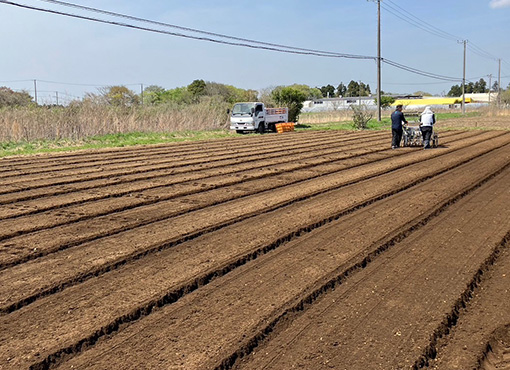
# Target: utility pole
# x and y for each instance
(35, 91)
(141, 92)
(499, 83)
(464, 80)
(378, 60)
(490, 81)
(56, 96)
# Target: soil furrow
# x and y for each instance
(26, 163)
(116, 252)
(158, 185)
(50, 188)
(418, 212)
(220, 192)
(280, 281)
(476, 333)
(213, 264)
(179, 177)
(388, 311)
(165, 162)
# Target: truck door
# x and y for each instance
(258, 116)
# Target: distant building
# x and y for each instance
(409, 101)
(332, 104)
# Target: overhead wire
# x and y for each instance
(427, 27)
(417, 22)
(245, 43)
(138, 19)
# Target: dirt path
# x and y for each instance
(191, 256)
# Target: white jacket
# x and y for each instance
(427, 118)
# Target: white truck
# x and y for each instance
(246, 117)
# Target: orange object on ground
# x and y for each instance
(284, 127)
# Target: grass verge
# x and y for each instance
(143, 138)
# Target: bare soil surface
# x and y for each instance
(313, 250)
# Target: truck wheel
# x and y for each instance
(272, 127)
(261, 128)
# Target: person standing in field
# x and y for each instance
(397, 119)
(427, 120)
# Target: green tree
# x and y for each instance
(197, 88)
(119, 96)
(291, 98)
(152, 95)
(386, 101)
(311, 93)
(480, 86)
(328, 91)
(341, 90)
(455, 90)
(352, 89)
(11, 98)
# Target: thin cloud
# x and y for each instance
(499, 4)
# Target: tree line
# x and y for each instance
(477, 87)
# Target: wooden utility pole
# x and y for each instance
(379, 60)
(499, 83)
(464, 81)
(490, 81)
(35, 91)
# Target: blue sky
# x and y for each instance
(74, 56)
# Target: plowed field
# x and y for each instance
(311, 250)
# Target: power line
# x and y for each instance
(417, 22)
(276, 47)
(427, 27)
(420, 72)
(279, 46)
(14, 81)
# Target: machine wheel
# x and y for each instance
(261, 128)
(406, 141)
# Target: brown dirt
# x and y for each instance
(311, 250)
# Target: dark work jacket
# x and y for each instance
(397, 118)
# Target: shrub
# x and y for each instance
(360, 116)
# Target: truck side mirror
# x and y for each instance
(252, 110)
(228, 111)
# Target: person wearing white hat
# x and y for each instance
(427, 120)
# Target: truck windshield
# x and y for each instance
(242, 108)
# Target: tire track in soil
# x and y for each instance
(116, 254)
(12, 228)
(209, 295)
(144, 309)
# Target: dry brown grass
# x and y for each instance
(86, 119)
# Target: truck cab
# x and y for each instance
(248, 117)
(255, 117)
